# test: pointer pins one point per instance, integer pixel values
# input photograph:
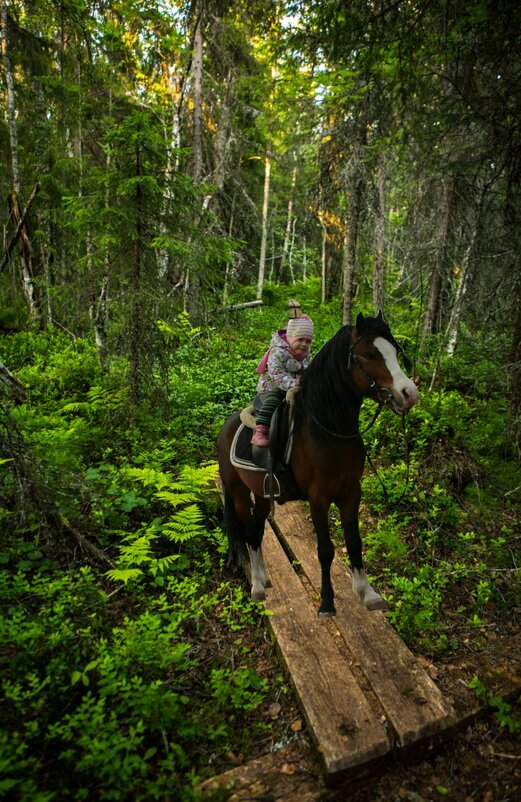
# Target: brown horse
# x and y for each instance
(328, 454)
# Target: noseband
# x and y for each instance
(383, 394)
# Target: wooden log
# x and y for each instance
(237, 307)
(345, 728)
(412, 703)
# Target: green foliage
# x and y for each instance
(113, 704)
(137, 555)
(124, 683)
(502, 710)
(416, 608)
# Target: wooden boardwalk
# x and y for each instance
(363, 693)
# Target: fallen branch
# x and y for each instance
(19, 227)
(235, 307)
(16, 387)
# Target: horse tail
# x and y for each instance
(234, 528)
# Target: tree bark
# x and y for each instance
(136, 312)
(198, 102)
(432, 321)
(379, 236)
(289, 227)
(264, 233)
(26, 257)
(349, 253)
(323, 272)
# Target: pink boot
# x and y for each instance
(260, 435)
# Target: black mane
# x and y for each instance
(326, 390)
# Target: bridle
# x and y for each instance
(383, 395)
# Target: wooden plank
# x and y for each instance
(341, 720)
(278, 777)
(413, 704)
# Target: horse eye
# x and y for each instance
(369, 355)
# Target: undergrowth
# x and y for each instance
(132, 680)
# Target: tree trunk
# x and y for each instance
(432, 321)
(136, 311)
(323, 275)
(459, 301)
(26, 257)
(198, 102)
(379, 237)
(349, 253)
(264, 234)
(289, 226)
(11, 100)
(515, 372)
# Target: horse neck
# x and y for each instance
(328, 396)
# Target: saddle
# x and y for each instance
(276, 456)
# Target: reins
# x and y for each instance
(407, 475)
(349, 436)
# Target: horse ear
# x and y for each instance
(380, 316)
(360, 324)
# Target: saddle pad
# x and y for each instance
(241, 454)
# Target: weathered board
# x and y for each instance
(362, 691)
(412, 704)
(346, 729)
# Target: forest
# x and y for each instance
(173, 173)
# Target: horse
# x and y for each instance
(327, 457)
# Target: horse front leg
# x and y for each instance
(362, 589)
(326, 552)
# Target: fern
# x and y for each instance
(185, 525)
(185, 522)
(124, 574)
(98, 399)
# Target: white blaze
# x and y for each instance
(403, 389)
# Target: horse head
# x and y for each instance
(375, 369)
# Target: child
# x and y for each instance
(280, 369)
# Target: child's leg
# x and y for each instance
(270, 403)
(271, 400)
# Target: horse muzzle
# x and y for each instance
(400, 399)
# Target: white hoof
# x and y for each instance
(376, 604)
(258, 594)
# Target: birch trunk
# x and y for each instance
(457, 306)
(379, 249)
(264, 233)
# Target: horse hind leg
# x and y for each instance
(244, 524)
(260, 579)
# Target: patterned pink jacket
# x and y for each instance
(279, 369)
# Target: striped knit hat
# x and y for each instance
(300, 327)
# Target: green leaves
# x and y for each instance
(140, 551)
